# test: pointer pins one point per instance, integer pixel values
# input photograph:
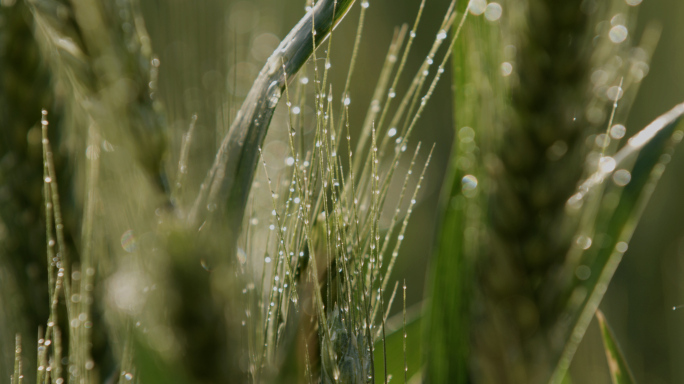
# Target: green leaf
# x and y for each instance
(619, 370)
(618, 225)
(463, 209)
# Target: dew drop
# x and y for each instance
(347, 101)
(584, 242)
(618, 131)
(477, 7)
(296, 110)
(493, 11)
(618, 34)
(442, 35)
(607, 164)
(618, 19)
(289, 161)
(365, 4)
(633, 3)
(557, 150)
(392, 132)
(128, 376)
(267, 260)
(602, 140)
(128, 241)
(583, 272)
(614, 93)
(92, 152)
(622, 177)
(274, 94)
(621, 247)
(466, 134)
(506, 68)
(468, 183)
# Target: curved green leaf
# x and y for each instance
(619, 370)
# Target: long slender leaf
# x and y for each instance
(619, 370)
(618, 229)
(236, 161)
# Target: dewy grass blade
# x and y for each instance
(634, 146)
(617, 365)
(237, 157)
(657, 138)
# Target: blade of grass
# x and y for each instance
(649, 166)
(619, 370)
(446, 323)
(233, 170)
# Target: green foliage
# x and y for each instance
(619, 370)
(171, 256)
(146, 283)
(533, 181)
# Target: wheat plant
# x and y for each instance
(151, 234)
(543, 197)
(163, 287)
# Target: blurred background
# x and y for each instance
(203, 45)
